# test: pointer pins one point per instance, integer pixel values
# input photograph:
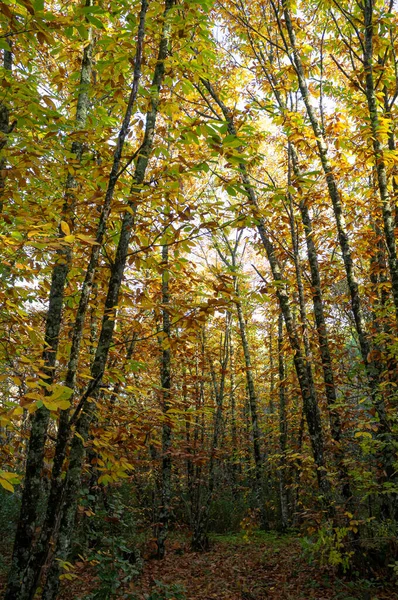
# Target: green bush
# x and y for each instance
(329, 546)
(227, 512)
(116, 566)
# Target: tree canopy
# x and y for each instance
(199, 277)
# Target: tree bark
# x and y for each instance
(200, 540)
(382, 179)
(165, 378)
(230, 263)
(232, 400)
(372, 368)
(72, 485)
(5, 127)
(258, 462)
(38, 556)
(311, 408)
(283, 497)
(18, 579)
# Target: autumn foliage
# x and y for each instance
(199, 286)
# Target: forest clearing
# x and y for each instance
(198, 299)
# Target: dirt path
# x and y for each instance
(260, 569)
(265, 567)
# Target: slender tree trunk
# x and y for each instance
(165, 376)
(19, 579)
(232, 400)
(230, 263)
(382, 179)
(311, 408)
(5, 127)
(200, 540)
(188, 435)
(296, 515)
(197, 490)
(253, 410)
(38, 557)
(372, 368)
(323, 338)
(271, 369)
(301, 297)
(392, 146)
(328, 376)
(64, 429)
(72, 484)
(283, 498)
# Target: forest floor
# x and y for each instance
(263, 567)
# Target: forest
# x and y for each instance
(198, 299)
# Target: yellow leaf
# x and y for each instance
(364, 434)
(60, 392)
(87, 239)
(65, 228)
(7, 479)
(33, 396)
(8, 476)
(6, 485)
(50, 405)
(64, 404)
(59, 398)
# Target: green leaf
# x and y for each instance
(94, 21)
(4, 45)
(231, 141)
(92, 10)
(83, 31)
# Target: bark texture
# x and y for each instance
(310, 405)
(72, 485)
(382, 178)
(24, 567)
(165, 380)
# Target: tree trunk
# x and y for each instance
(301, 296)
(283, 497)
(200, 540)
(5, 126)
(231, 263)
(260, 500)
(372, 368)
(372, 365)
(19, 578)
(311, 408)
(382, 180)
(232, 400)
(165, 377)
(72, 484)
(328, 376)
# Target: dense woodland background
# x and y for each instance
(199, 286)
